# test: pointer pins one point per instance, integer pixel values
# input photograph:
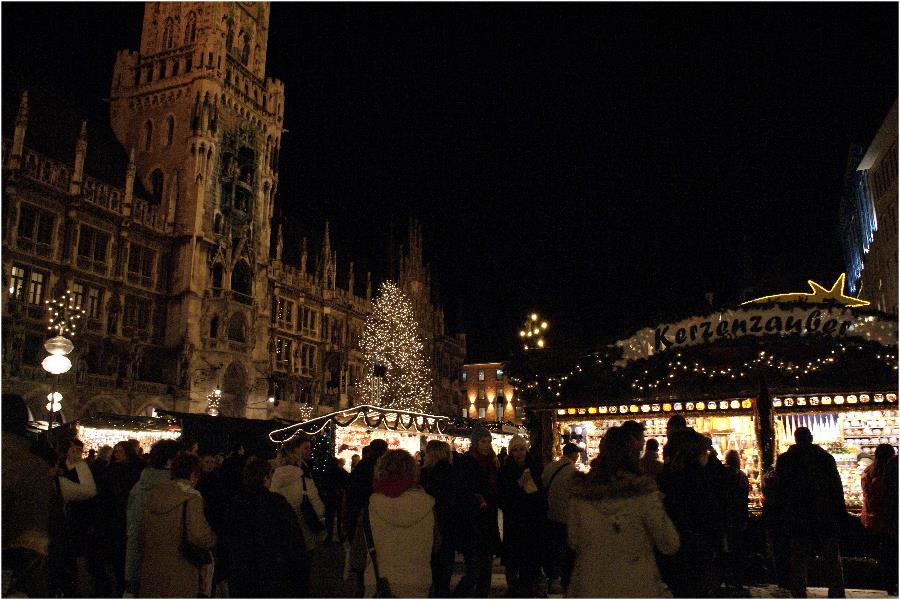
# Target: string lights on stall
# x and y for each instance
(394, 370)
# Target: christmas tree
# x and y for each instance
(394, 371)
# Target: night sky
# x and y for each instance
(604, 164)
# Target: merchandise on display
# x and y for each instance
(95, 438)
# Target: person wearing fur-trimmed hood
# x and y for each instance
(616, 522)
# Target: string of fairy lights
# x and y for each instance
(64, 314)
(394, 371)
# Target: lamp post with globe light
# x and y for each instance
(533, 331)
(63, 316)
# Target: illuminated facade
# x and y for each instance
(177, 265)
(489, 394)
(869, 219)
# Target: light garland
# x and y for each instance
(63, 314)
(394, 371)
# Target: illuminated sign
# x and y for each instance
(819, 295)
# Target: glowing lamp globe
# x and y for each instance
(54, 402)
(54, 397)
(59, 346)
(56, 364)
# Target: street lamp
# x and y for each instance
(532, 332)
(63, 316)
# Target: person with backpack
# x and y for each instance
(557, 480)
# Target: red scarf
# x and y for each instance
(488, 465)
(393, 485)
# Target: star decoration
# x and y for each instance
(819, 295)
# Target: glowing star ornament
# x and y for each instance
(819, 295)
(394, 369)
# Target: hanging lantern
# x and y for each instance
(59, 346)
(56, 364)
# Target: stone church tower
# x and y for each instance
(204, 125)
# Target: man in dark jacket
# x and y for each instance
(265, 543)
(814, 509)
(361, 484)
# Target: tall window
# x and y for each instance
(141, 261)
(245, 53)
(17, 283)
(148, 126)
(499, 374)
(35, 225)
(236, 328)
(214, 327)
(480, 374)
(136, 313)
(170, 126)
(190, 30)
(94, 302)
(499, 394)
(156, 186)
(241, 278)
(309, 323)
(307, 359)
(481, 393)
(92, 248)
(169, 34)
(481, 412)
(36, 288)
(465, 376)
(76, 299)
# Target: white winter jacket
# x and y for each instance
(403, 529)
(287, 481)
(614, 528)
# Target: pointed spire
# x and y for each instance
(129, 184)
(304, 256)
(15, 153)
(326, 241)
(369, 286)
(350, 279)
(80, 152)
(279, 243)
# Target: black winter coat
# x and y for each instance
(523, 513)
(810, 491)
(438, 481)
(265, 547)
(476, 527)
(359, 490)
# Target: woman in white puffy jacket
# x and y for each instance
(401, 516)
(292, 481)
(616, 520)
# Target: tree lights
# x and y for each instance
(394, 372)
(212, 402)
(532, 332)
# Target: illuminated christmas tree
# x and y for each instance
(394, 372)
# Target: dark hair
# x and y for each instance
(255, 472)
(162, 452)
(803, 435)
(675, 423)
(185, 465)
(733, 459)
(74, 442)
(570, 448)
(377, 447)
(652, 445)
(633, 428)
(187, 444)
(15, 414)
(884, 454)
(688, 448)
(615, 455)
(131, 456)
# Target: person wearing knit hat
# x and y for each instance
(523, 514)
(476, 510)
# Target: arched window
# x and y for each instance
(169, 34)
(214, 327)
(241, 278)
(170, 130)
(156, 186)
(236, 328)
(190, 30)
(245, 53)
(148, 134)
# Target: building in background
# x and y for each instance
(177, 265)
(869, 218)
(489, 394)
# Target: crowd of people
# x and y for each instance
(175, 522)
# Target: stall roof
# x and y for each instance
(372, 416)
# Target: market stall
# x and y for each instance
(106, 429)
(825, 361)
(347, 432)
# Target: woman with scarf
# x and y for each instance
(476, 513)
(524, 513)
(402, 525)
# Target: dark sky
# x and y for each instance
(604, 164)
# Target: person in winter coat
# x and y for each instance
(162, 454)
(557, 480)
(616, 523)
(437, 480)
(293, 480)
(650, 464)
(332, 488)
(174, 511)
(78, 490)
(693, 501)
(736, 490)
(879, 514)
(264, 540)
(523, 519)
(476, 513)
(26, 506)
(401, 518)
(814, 510)
(360, 487)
